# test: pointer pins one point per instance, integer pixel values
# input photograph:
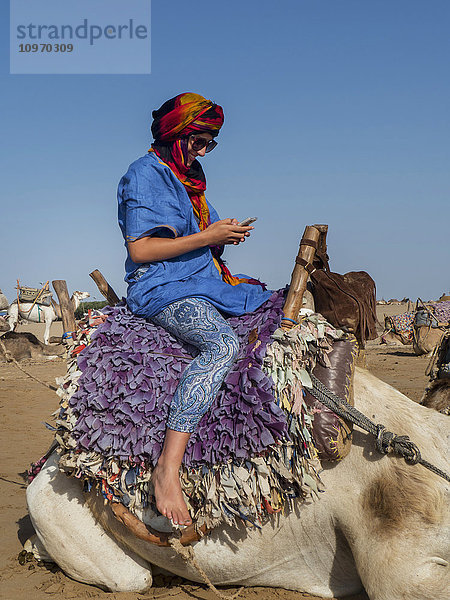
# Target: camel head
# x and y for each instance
(77, 297)
(81, 295)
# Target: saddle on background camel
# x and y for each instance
(423, 327)
(27, 294)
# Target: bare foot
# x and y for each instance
(168, 495)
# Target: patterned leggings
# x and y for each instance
(199, 323)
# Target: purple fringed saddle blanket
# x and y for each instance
(130, 372)
(252, 453)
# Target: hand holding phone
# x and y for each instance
(248, 221)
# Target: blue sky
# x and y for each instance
(335, 112)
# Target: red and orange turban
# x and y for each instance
(185, 114)
(173, 122)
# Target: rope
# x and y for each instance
(10, 358)
(187, 553)
(386, 441)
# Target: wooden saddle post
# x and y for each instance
(314, 238)
(67, 312)
(105, 289)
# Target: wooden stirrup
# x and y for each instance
(146, 533)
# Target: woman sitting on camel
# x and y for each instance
(175, 274)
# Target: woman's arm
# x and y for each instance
(152, 249)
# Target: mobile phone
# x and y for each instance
(248, 221)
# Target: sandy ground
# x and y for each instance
(25, 405)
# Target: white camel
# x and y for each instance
(39, 313)
(381, 524)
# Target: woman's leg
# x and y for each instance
(197, 322)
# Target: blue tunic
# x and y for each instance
(153, 201)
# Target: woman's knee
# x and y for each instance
(222, 347)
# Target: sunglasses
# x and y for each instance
(198, 143)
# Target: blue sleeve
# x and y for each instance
(148, 205)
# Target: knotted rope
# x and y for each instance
(386, 441)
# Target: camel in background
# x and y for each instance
(26, 345)
(38, 313)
